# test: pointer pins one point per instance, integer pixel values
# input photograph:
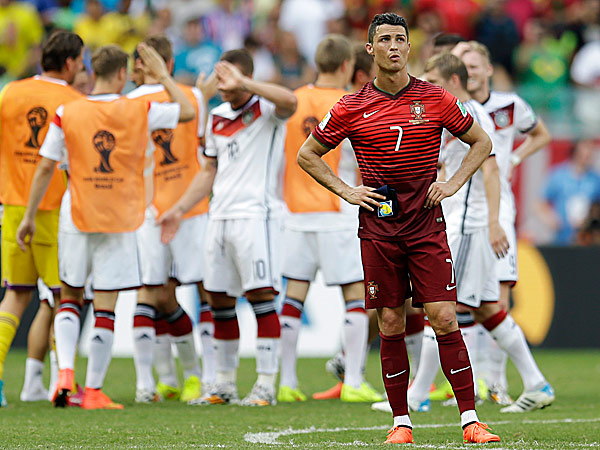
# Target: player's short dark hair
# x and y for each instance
(362, 60)
(448, 65)
(331, 53)
(108, 60)
(447, 39)
(60, 46)
(162, 45)
(386, 19)
(241, 58)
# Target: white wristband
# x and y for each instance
(515, 159)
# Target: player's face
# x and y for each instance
(74, 66)
(390, 48)
(479, 71)
(435, 77)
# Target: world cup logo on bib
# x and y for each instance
(104, 142)
(163, 139)
(36, 118)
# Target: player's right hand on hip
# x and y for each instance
(363, 196)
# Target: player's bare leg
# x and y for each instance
(537, 391)
(12, 308)
(52, 353)
(67, 325)
(267, 347)
(290, 319)
(37, 347)
(100, 352)
(206, 328)
(144, 339)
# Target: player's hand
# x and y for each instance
(207, 85)
(152, 63)
(169, 224)
(437, 192)
(229, 77)
(26, 228)
(460, 49)
(498, 240)
(363, 196)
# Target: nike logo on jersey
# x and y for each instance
(452, 371)
(367, 115)
(387, 375)
(449, 288)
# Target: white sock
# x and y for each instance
(53, 373)
(227, 357)
(209, 367)
(186, 350)
(429, 365)
(66, 335)
(402, 421)
(99, 357)
(266, 379)
(471, 338)
(34, 370)
(267, 355)
(143, 357)
(467, 417)
(356, 328)
(414, 344)
(510, 338)
(481, 359)
(290, 329)
(163, 361)
(497, 366)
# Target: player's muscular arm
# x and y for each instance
(491, 179)
(481, 146)
(231, 78)
(41, 180)
(199, 188)
(536, 139)
(155, 67)
(310, 159)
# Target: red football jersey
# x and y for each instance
(397, 140)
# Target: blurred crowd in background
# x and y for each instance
(546, 50)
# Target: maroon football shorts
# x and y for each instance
(389, 265)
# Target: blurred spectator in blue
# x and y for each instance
(21, 32)
(79, 6)
(292, 67)
(198, 54)
(499, 33)
(264, 67)
(228, 23)
(571, 189)
(309, 21)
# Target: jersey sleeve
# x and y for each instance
(525, 117)
(210, 147)
(163, 115)
(54, 143)
(454, 116)
(201, 111)
(334, 127)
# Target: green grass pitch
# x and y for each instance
(572, 422)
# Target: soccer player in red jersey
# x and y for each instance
(395, 125)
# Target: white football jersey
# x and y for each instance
(248, 144)
(511, 115)
(467, 210)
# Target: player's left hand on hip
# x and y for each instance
(437, 192)
(498, 240)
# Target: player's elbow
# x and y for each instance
(187, 113)
(486, 144)
(288, 106)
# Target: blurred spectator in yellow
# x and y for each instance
(571, 189)
(21, 32)
(94, 28)
(293, 70)
(130, 29)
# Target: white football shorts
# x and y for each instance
(475, 268)
(242, 255)
(181, 259)
(335, 253)
(507, 266)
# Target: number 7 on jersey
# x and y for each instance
(396, 127)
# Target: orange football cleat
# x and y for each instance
(479, 433)
(96, 399)
(333, 392)
(400, 435)
(64, 385)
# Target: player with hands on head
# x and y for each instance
(395, 125)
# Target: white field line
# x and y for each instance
(272, 437)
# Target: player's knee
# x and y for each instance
(390, 322)
(443, 321)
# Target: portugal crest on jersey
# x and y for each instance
(417, 109)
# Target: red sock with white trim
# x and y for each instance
(395, 370)
(181, 331)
